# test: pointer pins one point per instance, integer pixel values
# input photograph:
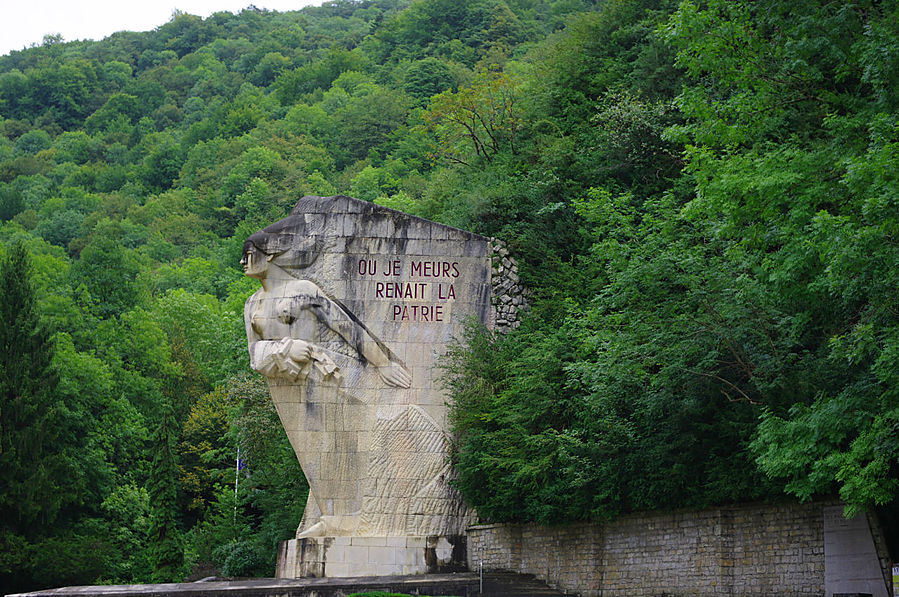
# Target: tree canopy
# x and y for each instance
(702, 198)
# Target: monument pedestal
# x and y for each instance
(336, 557)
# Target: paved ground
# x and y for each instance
(462, 584)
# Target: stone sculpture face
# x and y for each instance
(357, 302)
(254, 261)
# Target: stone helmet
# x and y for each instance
(292, 243)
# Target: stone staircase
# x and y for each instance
(510, 584)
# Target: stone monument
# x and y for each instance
(357, 303)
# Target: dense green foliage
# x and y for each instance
(730, 331)
(702, 197)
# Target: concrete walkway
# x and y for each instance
(464, 584)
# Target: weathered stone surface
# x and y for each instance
(357, 303)
(509, 297)
(328, 557)
(751, 550)
(851, 561)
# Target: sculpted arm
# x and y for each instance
(336, 318)
(274, 358)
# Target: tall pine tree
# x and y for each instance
(31, 468)
(165, 541)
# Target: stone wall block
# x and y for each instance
(747, 550)
(509, 297)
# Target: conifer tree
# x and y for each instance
(30, 464)
(165, 543)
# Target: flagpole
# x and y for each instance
(236, 478)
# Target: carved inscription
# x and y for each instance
(421, 301)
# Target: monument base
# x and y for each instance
(340, 557)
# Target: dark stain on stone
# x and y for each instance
(313, 416)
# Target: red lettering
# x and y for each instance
(368, 267)
(393, 268)
(401, 290)
(436, 269)
(428, 313)
(450, 293)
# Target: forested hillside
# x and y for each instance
(703, 199)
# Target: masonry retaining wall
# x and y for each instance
(749, 550)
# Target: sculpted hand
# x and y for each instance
(395, 375)
(300, 351)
